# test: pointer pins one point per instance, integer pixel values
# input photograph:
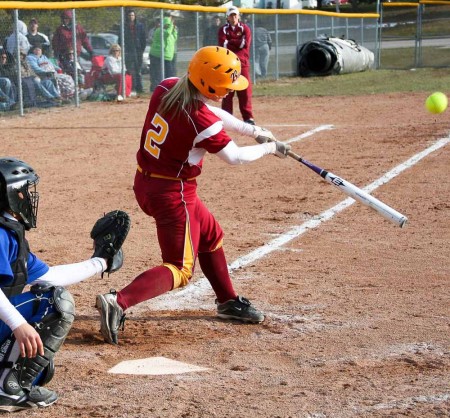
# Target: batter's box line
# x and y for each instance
(187, 295)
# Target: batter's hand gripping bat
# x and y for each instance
(355, 192)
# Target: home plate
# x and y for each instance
(154, 366)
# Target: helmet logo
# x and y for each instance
(234, 76)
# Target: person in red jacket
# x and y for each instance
(62, 39)
(236, 36)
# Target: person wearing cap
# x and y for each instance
(236, 36)
(62, 39)
(34, 37)
(134, 46)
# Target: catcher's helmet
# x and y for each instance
(214, 71)
(18, 193)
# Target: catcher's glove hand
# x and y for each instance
(109, 233)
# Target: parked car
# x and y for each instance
(146, 60)
(333, 2)
(101, 42)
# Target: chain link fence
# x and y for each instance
(414, 35)
(78, 77)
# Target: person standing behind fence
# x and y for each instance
(170, 37)
(35, 37)
(10, 41)
(211, 34)
(236, 36)
(173, 15)
(62, 39)
(134, 44)
(263, 45)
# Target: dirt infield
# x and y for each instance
(358, 317)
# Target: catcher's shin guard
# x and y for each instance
(53, 330)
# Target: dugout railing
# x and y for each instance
(289, 28)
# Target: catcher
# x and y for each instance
(35, 323)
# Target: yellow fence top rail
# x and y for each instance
(154, 5)
(401, 4)
(435, 2)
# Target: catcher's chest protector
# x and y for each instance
(19, 266)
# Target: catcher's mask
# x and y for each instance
(18, 193)
(214, 71)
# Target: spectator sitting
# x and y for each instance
(8, 70)
(7, 96)
(68, 64)
(34, 37)
(45, 86)
(62, 39)
(41, 64)
(24, 44)
(112, 72)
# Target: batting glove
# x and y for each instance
(281, 149)
(262, 135)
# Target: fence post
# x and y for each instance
(277, 45)
(197, 30)
(19, 69)
(378, 35)
(253, 51)
(316, 23)
(418, 40)
(122, 41)
(75, 56)
(362, 31)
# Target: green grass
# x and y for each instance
(368, 82)
(404, 58)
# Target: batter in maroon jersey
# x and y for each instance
(179, 129)
(236, 36)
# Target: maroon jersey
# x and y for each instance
(175, 146)
(237, 39)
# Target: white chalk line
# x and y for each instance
(185, 298)
(407, 403)
(309, 133)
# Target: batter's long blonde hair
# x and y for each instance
(182, 97)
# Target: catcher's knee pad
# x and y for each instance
(181, 276)
(53, 330)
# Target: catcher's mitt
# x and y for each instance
(109, 233)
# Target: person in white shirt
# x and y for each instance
(112, 72)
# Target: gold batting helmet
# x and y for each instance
(214, 71)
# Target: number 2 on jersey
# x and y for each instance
(156, 137)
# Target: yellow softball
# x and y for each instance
(436, 102)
